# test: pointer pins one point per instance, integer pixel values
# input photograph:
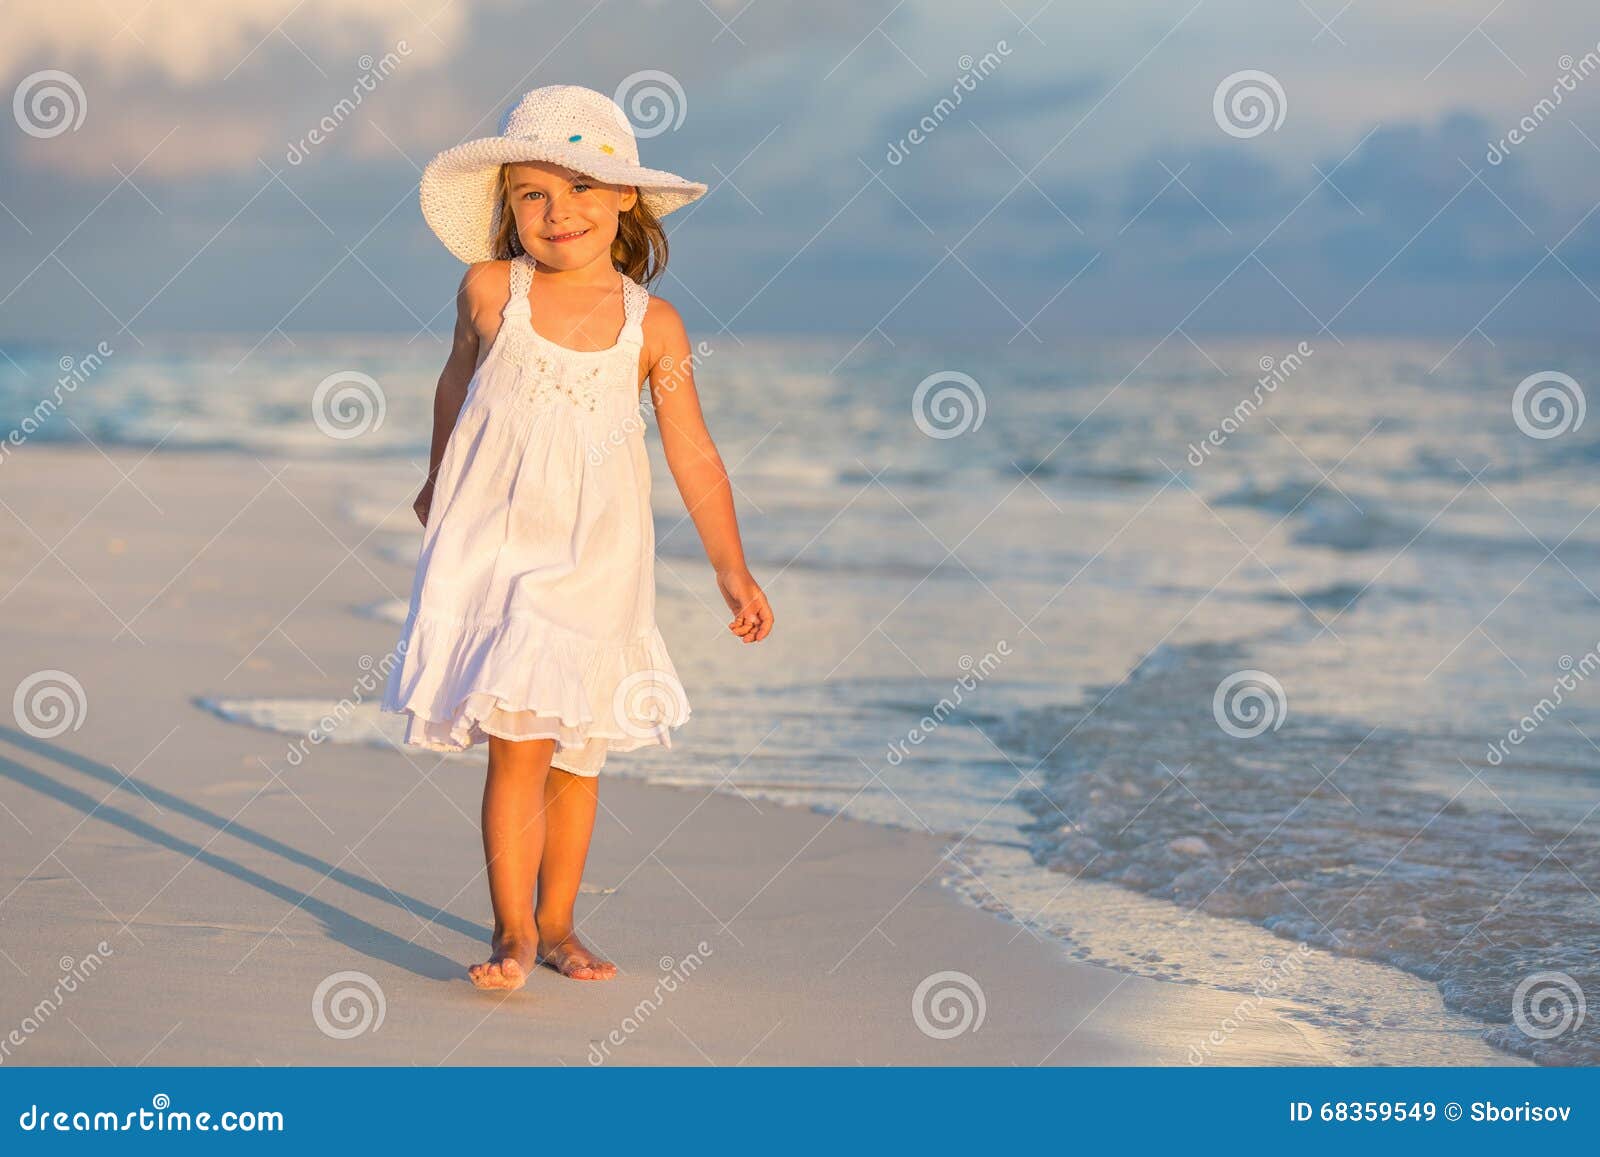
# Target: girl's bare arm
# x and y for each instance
(456, 376)
(698, 470)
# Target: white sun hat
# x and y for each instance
(563, 124)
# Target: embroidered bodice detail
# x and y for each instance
(582, 378)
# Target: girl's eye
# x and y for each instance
(580, 185)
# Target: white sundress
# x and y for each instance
(532, 609)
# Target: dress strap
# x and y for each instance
(521, 283)
(635, 298)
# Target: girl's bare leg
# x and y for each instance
(514, 825)
(570, 803)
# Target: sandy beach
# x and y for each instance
(216, 882)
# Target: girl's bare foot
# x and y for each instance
(569, 957)
(508, 965)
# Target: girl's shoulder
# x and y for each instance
(664, 331)
(486, 280)
(485, 292)
(660, 316)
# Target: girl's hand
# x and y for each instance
(753, 616)
(424, 503)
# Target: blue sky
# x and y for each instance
(1084, 184)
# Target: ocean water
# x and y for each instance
(1198, 689)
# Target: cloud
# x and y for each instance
(1103, 125)
(184, 44)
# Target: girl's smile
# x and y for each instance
(567, 218)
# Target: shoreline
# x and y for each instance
(212, 866)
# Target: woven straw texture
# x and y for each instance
(563, 124)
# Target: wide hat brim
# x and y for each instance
(460, 202)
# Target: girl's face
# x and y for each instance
(564, 219)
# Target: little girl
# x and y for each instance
(532, 619)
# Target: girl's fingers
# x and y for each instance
(754, 624)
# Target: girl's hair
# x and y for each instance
(638, 250)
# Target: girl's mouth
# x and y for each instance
(560, 237)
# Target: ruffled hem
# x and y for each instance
(523, 679)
